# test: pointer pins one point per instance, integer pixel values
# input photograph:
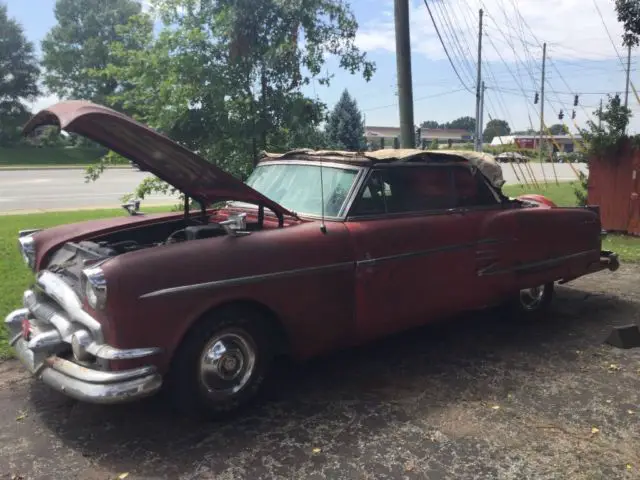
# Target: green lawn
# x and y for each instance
(562, 194)
(30, 157)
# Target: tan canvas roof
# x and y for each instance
(485, 162)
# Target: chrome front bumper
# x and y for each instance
(46, 351)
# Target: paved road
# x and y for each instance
(29, 190)
(32, 190)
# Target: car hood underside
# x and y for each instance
(169, 161)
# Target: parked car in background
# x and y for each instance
(316, 251)
(515, 157)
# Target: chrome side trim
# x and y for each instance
(532, 266)
(233, 282)
(430, 251)
(64, 295)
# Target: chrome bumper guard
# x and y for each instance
(51, 326)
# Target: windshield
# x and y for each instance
(297, 186)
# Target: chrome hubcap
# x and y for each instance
(227, 363)
(531, 298)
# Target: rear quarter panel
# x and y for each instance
(314, 306)
(555, 243)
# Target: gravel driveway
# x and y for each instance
(477, 397)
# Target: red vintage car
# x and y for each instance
(316, 251)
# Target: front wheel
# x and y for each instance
(222, 364)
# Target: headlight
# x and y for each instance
(95, 287)
(27, 247)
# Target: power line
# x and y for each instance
(445, 47)
(441, 94)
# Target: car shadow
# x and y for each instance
(317, 405)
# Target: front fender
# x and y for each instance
(304, 276)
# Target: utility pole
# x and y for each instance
(626, 91)
(544, 63)
(478, 142)
(481, 118)
(403, 64)
(600, 116)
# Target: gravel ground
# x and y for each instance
(475, 397)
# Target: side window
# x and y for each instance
(406, 189)
(471, 190)
(415, 189)
(372, 199)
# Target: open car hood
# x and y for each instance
(163, 157)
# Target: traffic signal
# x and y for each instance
(536, 98)
(573, 114)
(561, 115)
(575, 101)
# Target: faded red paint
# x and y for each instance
(354, 281)
(614, 185)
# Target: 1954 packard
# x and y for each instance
(316, 251)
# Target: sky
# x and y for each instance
(584, 57)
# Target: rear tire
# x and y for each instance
(222, 364)
(532, 303)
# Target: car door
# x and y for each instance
(492, 226)
(411, 248)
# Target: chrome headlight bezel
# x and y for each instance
(95, 287)
(27, 247)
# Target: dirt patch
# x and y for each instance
(479, 397)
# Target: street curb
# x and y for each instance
(58, 167)
(76, 209)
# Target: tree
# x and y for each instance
(80, 43)
(225, 78)
(430, 124)
(607, 136)
(463, 123)
(495, 128)
(18, 77)
(558, 129)
(345, 127)
(629, 15)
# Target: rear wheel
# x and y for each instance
(532, 302)
(222, 364)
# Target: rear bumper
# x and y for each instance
(86, 384)
(609, 260)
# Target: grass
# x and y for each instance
(15, 275)
(30, 157)
(561, 194)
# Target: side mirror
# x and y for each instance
(132, 207)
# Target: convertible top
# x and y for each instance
(484, 162)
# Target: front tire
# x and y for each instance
(222, 364)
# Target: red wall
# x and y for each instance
(614, 184)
